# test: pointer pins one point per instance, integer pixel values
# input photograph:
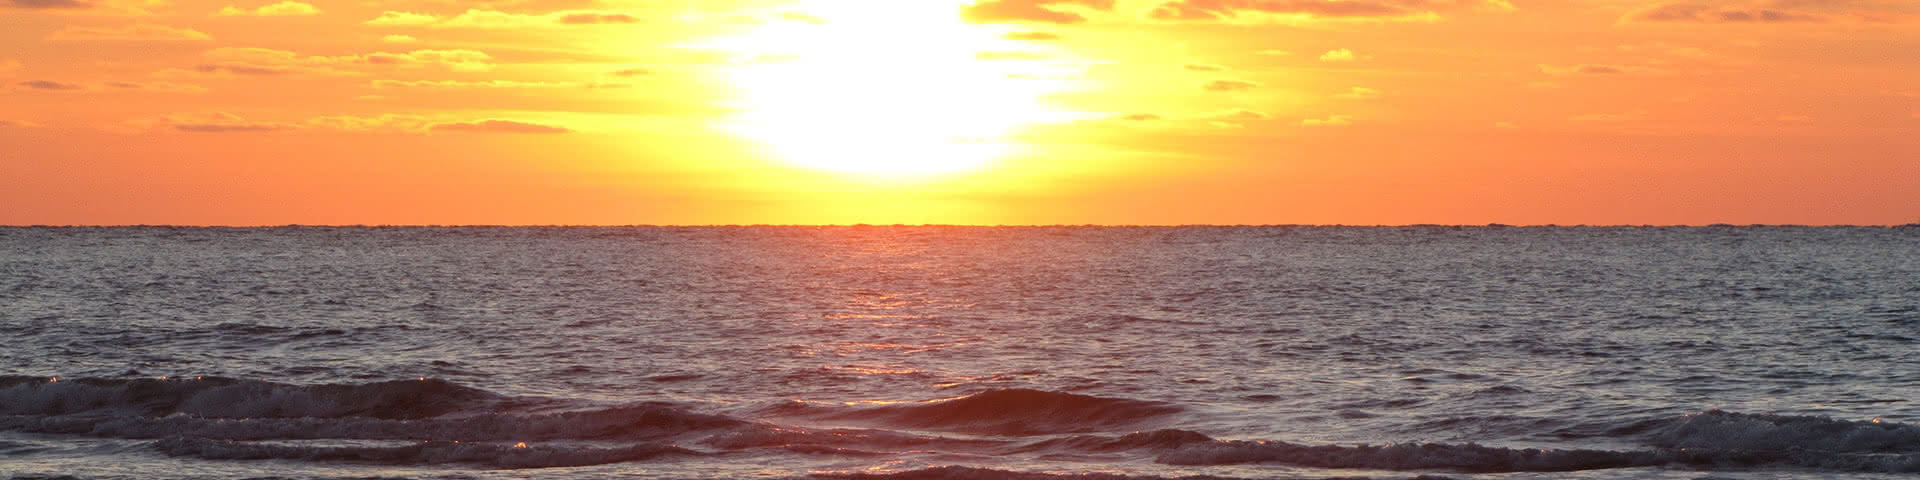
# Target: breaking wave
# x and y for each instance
(1011, 412)
(219, 397)
(429, 422)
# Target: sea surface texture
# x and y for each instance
(948, 352)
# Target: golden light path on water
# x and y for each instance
(887, 89)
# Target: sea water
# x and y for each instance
(960, 352)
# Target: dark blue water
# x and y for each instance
(941, 352)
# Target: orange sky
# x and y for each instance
(262, 112)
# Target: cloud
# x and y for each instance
(1359, 93)
(1037, 11)
(1235, 119)
(496, 126)
(1009, 56)
(1340, 55)
(50, 85)
(493, 19)
(220, 122)
(1223, 10)
(1610, 117)
(450, 84)
(140, 32)
(1777, 12)
(1140, 117)
(1230, 85)
(1197, 67)
(158, 87)
(1584, 69)
(1698, 13)
(44, 4)
(392, 18)
(18, 124)
(287, 8)
(456, 60)
(1273, 53)
(633, 72)
(1242, 116)
(399, 39)
(1033, 36)
(388, 123)
(597, 18)
(1330, 121)
(266, 61)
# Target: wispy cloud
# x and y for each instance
(497, 126)
(139, 32)
(493, 19)
(1037, 11)
(287, 8)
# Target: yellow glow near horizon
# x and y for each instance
(887, 89)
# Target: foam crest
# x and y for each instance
(1463, 458)
(620, 423)
(976, 473)
(1015, 412)
(1157, 440)
(217, 397)
(1744, 431)
(494, 455)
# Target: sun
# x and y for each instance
(889, 89)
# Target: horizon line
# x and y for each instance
(959, 225)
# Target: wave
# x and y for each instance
(1167, 439)
(442, 422)
(620, 423)
(1745, 431)
(976, 473)
(495, 455)
(1009, 412)
(219, 397)
(1471, 458)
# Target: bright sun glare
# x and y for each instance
(895, 88)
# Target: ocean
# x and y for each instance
(960, 352)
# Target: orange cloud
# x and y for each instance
(1039, 11)
(266, 61)
(158, 87)
(50, 85)
(1359, 93)
(220, 122)
(1690, 12)
(1230, 85)
(1777, 11)
(1033, 36)
(287, 8)
(392, 123)
(497, 126)
(1340, 55)
(1584, 69)
(444, 84)
(140, 32)
(1330, 121)
(1351, 9)
(44, 4)
(493, 19)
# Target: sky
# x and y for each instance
(618, 112)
